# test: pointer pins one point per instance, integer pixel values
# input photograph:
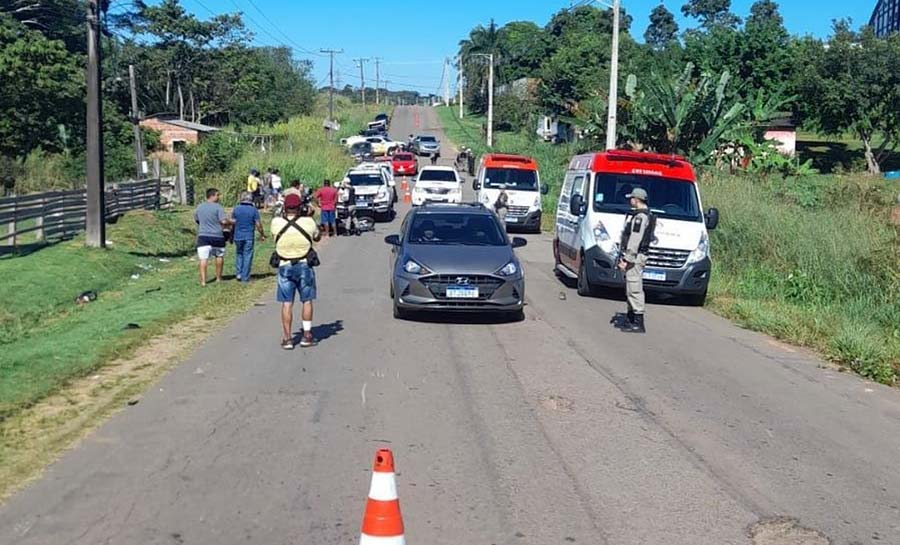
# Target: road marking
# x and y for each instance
(362, 394)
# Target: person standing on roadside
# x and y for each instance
(246, 219)
(295, 236)
(295, 189)
(327, 197)
(253, 185)
(275, 183)
(635, 245)
(211, 221)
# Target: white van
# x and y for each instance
(591, 214)
(520, 177)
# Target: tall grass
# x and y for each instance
(813, 261)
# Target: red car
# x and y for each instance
(405, 164)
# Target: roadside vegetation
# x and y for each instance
(811, 260)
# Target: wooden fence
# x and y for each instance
(59, 215)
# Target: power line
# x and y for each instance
(286, 37)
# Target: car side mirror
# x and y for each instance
(712, 218)
(576, 205)
(545, 189)
(518, 242)
(393, 240)
(475, 185)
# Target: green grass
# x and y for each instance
(47, 340)
(812, 261)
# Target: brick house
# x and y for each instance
(175, 134)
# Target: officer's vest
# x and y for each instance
(647, 238)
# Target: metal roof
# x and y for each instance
(199, 127)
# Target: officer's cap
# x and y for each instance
(638, 193)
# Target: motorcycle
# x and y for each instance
(363, 217)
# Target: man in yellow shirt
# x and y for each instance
(295, 235)
(253, 186)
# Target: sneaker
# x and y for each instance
(287, 344)
(307, 340)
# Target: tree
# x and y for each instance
(525, 45)
(711, 13)
(481, 41)
(663, 29)
(41, 87)
(765, 61)
(853, 85)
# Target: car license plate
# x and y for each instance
(512, 219)
(462, 292)
(659, 276)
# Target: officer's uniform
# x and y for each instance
(636, 238)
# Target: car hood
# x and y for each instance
(367, 189)
(516, 197)
(453, 186)
(670, 233)
(445, 259)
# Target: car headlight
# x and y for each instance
(701, 251)
(510, 269)
(414, 268)
(537, 202)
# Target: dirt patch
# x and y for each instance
(785, 531)
(558, 403)
(35, 437)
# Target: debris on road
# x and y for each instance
(86, 297)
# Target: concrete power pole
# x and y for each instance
(95, 220)
(377, 80)
(135, 121)
(613, 81)
(490, 119)
(331, 53)
(362, 78)
(447, 81)
(460, 88)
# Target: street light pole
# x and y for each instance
(490, 120)
(613, 81)
(460, 88)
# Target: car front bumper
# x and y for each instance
(692, 279)
(419, 199)
(531, 220)
(425, 293)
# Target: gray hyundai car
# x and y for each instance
(455, 257)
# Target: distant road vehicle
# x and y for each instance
(425, 145)
(381, 145)
(519, 176)
(386, 170)
(455, 258)
(591, 213)
(437, 184)
(372, 186)
(383, 118)
(405, 164)
(361, 150)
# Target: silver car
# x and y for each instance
(426, 145)
(455, 257)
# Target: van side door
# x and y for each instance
(568, 224)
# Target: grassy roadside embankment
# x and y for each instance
(55, 378)
(812, 261)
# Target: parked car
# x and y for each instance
(590, 217)
(520, 177)
(437, 184)
(386, 170)
(381, 145)
(361, 150)
(384, 118)
(405, 164)
(455, 257)
(425, 145)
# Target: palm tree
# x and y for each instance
(484, 40)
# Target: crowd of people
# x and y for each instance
(293, 228)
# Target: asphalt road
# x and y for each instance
(558, 429)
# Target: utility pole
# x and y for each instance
(447, 81)
(377, 80)
(331, 54)
(362, 78)
(95, 220)
(460, 86)
(490, 120)
(613, 81)
(135, 122)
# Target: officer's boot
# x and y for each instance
(637, 326)
(629, 317)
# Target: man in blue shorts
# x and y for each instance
(295, 235)
(211, 218)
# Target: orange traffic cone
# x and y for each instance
(382, 522)
(407, 196)
(404, 185)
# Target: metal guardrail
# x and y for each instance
(59, 215)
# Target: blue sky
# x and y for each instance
(413, 37)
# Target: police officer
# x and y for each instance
(636, 238)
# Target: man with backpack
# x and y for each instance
(635, 245)
(295, 236)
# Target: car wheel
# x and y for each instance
(696, 300)
(584, 287)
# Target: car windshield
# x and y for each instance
(357, 180)
(427, 139)
(511, 178)
(456, 229)
(403, 157)
(429, 175)
(669, 198)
